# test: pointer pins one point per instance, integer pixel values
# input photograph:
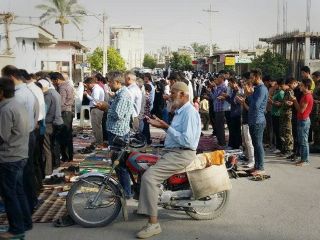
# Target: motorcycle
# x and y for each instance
(95, 200)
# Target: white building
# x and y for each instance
(65, 56)
(23, 48)
(33, 48)
(129, 42)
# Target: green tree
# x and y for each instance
(272, 64)
(63, 12)
(181, 62)
(96, 60)
(202, 50)
(115, 61)
(149, 61)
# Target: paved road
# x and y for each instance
(287, 206)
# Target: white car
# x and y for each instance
(145, 70)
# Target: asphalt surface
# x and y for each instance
(286, 206)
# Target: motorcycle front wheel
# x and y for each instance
(88, 209)
(213, 206)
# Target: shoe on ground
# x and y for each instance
(302, 163)
(276, 151)
(149, 230)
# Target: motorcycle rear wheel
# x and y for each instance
(210, 212)
(81, 196)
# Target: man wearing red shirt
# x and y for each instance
(304, 108)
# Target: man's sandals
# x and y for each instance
(259, 177)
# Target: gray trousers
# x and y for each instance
(96, 123)
(172, 162)
(219, 128)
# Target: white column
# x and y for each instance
(307, 52)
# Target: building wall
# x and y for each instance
(57, 59)
(130, 44)
(24, 46)
(27, 54)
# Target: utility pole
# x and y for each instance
(104, 47)
(308, 15)
(211, 13)
(7, 19)
(285, 14)
(307, 41)
(278, 18)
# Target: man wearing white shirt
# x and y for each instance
(97, 95)
(136, 96)
(41, 110)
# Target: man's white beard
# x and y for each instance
(176, 103)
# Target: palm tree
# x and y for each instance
(63, 11)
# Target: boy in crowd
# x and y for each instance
(304, 108)
(275, 100)
(286, 119)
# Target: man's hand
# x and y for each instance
(289, 103)
(277, 103)
(224, 94)
(293, 98)
(240, 100)
(222, 98)
(103, 106)
(166, 96)
(156, 122)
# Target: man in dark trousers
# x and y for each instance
(14, 137)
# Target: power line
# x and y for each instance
(17, 30)
(84, 15)
(211, 13)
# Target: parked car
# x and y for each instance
(145, 70)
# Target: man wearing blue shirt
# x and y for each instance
(257, 121)
(118, 121)
(180, 150)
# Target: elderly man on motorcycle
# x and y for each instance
(181, 142)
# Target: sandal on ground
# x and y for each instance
(64, 221)
(260, 177)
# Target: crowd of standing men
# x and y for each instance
(37, 110)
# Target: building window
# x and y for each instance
(23, 45)
(34, 45)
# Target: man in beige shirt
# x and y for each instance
(66, 92)
(204, 112)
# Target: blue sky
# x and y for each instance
(178, 23)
